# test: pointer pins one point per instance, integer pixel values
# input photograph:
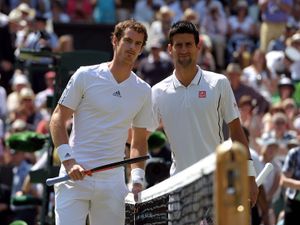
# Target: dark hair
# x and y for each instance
(184, 27)
(131, 24)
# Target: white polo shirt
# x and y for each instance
(104, 110)
(192, 116)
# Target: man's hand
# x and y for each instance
(74, 170)
(253, 189)
(136, 189)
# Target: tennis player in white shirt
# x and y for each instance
(192, 105)
(105, 100)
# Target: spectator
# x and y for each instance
(158, 166)
(290, 180)
(192, 16)
(41, 97)
(202, 8)
(249, 119)
(259, 77)
(178, 7)
(280, 62)
(105, 11)
(214, 25)
(144, 10)
(58, 14)
(41, 38)
(206, 59)
(65, 44)
(22, 144)
(279, 44)
(19, 81)
(42, 7)
(269, 151)
(27, 13)
(241, 30)
(124, 9)
(20, 171)
(281, 132)
(234, 72)
(156, 66)
(296, 126)
(159, 28)
(33, 116)
(295, 15)
(290, 109)
(80, 11)
(285, 89)
(295, 67)
(260, 212)
(274, 16)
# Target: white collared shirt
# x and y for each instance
(104, 110)
(193, 116)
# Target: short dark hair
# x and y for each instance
(183, 27)
(131, 24)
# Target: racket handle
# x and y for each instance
(54, 180)
(264, 173)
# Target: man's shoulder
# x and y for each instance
(91, 71)
(213, 78)
(140, 81)
(91, 68)
(164, 84)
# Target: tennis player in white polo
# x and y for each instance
(105, 100)
(192, 104)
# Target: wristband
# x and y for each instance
(251, 169)
(64, 152)
(137, 176)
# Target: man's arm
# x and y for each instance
(287, 181)
(58, 123)
(59, 134)
(139, 147)
(237, 134)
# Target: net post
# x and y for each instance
(231, 185)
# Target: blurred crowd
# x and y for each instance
(255, 43)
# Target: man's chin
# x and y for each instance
(185, 63)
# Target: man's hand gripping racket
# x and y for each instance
(54, 180)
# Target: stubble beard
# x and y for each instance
(185, 62)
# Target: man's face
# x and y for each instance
(129, 46)
(184, 50)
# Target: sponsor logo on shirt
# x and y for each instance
(202, 94)
(117, 94)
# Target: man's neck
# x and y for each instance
(186, 75)
(119, 70)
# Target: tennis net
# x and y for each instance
(183, 199)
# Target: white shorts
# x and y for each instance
(100, 196)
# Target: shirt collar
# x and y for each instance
(195, 81)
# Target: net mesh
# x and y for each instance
(183, 199)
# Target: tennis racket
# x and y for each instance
(264, 173)
(54, 180)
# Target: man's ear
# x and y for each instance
(114, 41)
(169, 49)
(200, 44)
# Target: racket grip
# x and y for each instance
(264, 173)
(54, 180)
